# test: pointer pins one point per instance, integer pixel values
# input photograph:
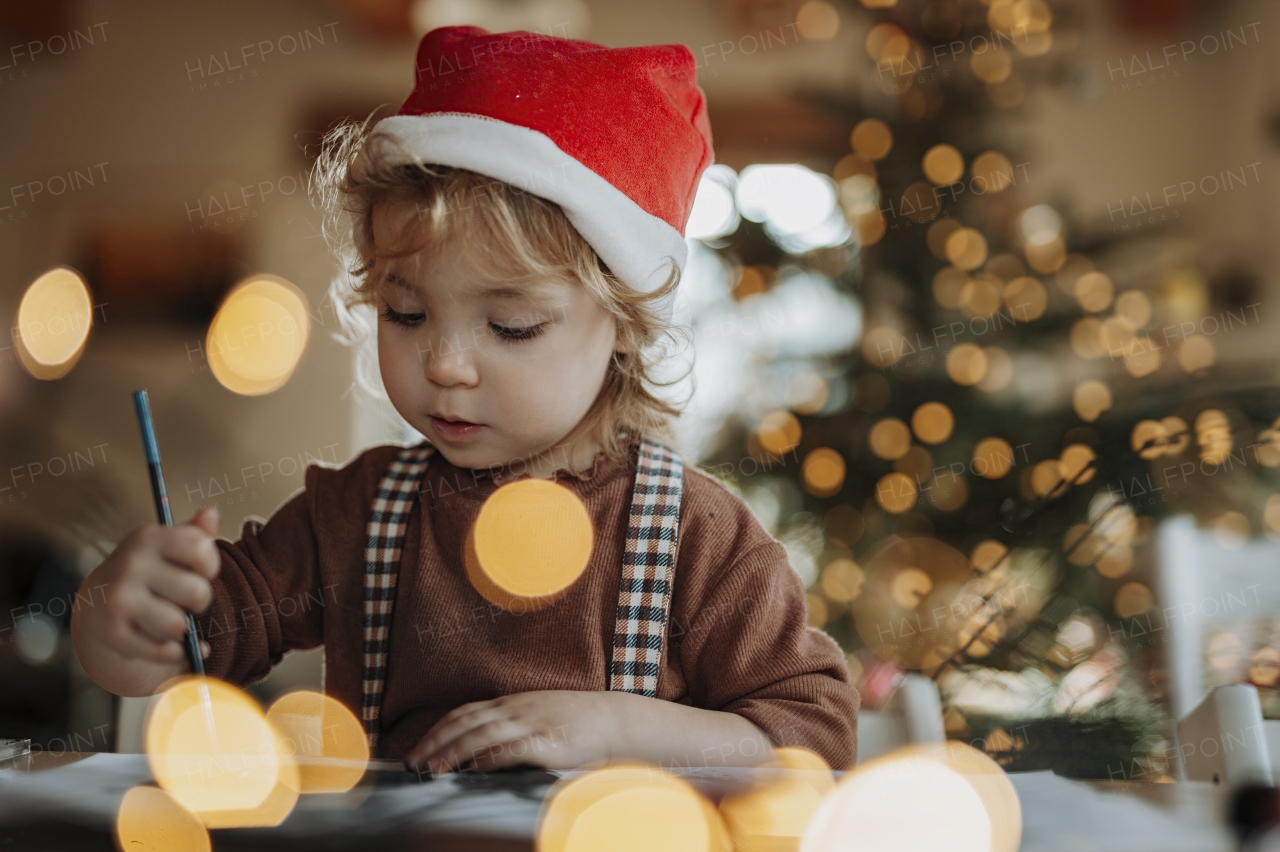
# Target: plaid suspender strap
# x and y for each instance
(644, 593)
(384, 540)
(648, 562)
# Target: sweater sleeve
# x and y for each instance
(745, 647)
(267, 597)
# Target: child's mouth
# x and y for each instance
(456, 431)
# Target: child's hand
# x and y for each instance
(552, 729)
(149, 582)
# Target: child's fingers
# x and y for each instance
(484, 742)
(452, 725)
(160, 620)
(189, 546)
(135, 644)
(521, 751)
(179, 586)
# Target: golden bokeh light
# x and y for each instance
(1086, 338)
(237, 773)
(1114, 562)
(1094, 291)
(1026, 298)
(841, 580)
(1045, 257)
(779, 432)
(932, 422)
(325, 739)
(889, 438)
(910, 587)
(1082, 545)
(948, 283)
(817, 20)
(1073, 266)
(1231, 530)
(773, 812)
(1132, 600)
(52, 324)
(1142, 356)
(896, 492)
(1196, 353)
(987, 555)
(966, 248)
(1116, 336)
(1177, 435)
(150, 820)
(999, 370)
(843, 524)
(942, 164)
(1213, 436)
(920, 203)
(917, 462)
(966, 364)
(807, 392)
(851, 165)
(819, 612)
(1148, 438)
(970, 802)
(871, 138)
(1075, 465)
(642, 807)
(1046, 479)
(980, 296)
(530, 542)
(1005, 266)
(822, 472)
(258, 335)
(1135, 307)
(882, 346)
(886, 44)
(991, 65)
(992, 171)
(948, 491)
(1090, 399)
(871, 392)
(936, 236)
(992, 458)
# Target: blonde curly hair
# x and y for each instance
(526, 237)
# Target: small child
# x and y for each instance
(519, 231)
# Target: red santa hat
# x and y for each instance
(618, 137)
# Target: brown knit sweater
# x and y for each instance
(737, 639)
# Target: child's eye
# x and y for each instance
(392, 315)
(521, 333)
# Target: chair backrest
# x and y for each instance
(1224, 739)
(913, 714)
(1200, 583)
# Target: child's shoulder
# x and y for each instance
(356, 480)
(718, 519)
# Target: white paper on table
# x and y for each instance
(1062, 815)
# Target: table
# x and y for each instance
(498, 812)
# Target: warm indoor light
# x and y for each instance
(531, 541)
(52, 323)
(324, 737)
(258, 335)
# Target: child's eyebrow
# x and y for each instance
(396, 281)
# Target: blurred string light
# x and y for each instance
(52, 323)
(817, 20)
(942, 165)
(324, 737)
(258, 335)
(714, 213)
(967, 801)
(640, 807)
(150, 819)
(775, 810)
(796, 205)
(239, 774)
(531, 540)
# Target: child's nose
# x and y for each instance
(450, 363)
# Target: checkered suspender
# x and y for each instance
(648, 560)
(384, 540)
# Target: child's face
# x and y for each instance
(488, 371)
